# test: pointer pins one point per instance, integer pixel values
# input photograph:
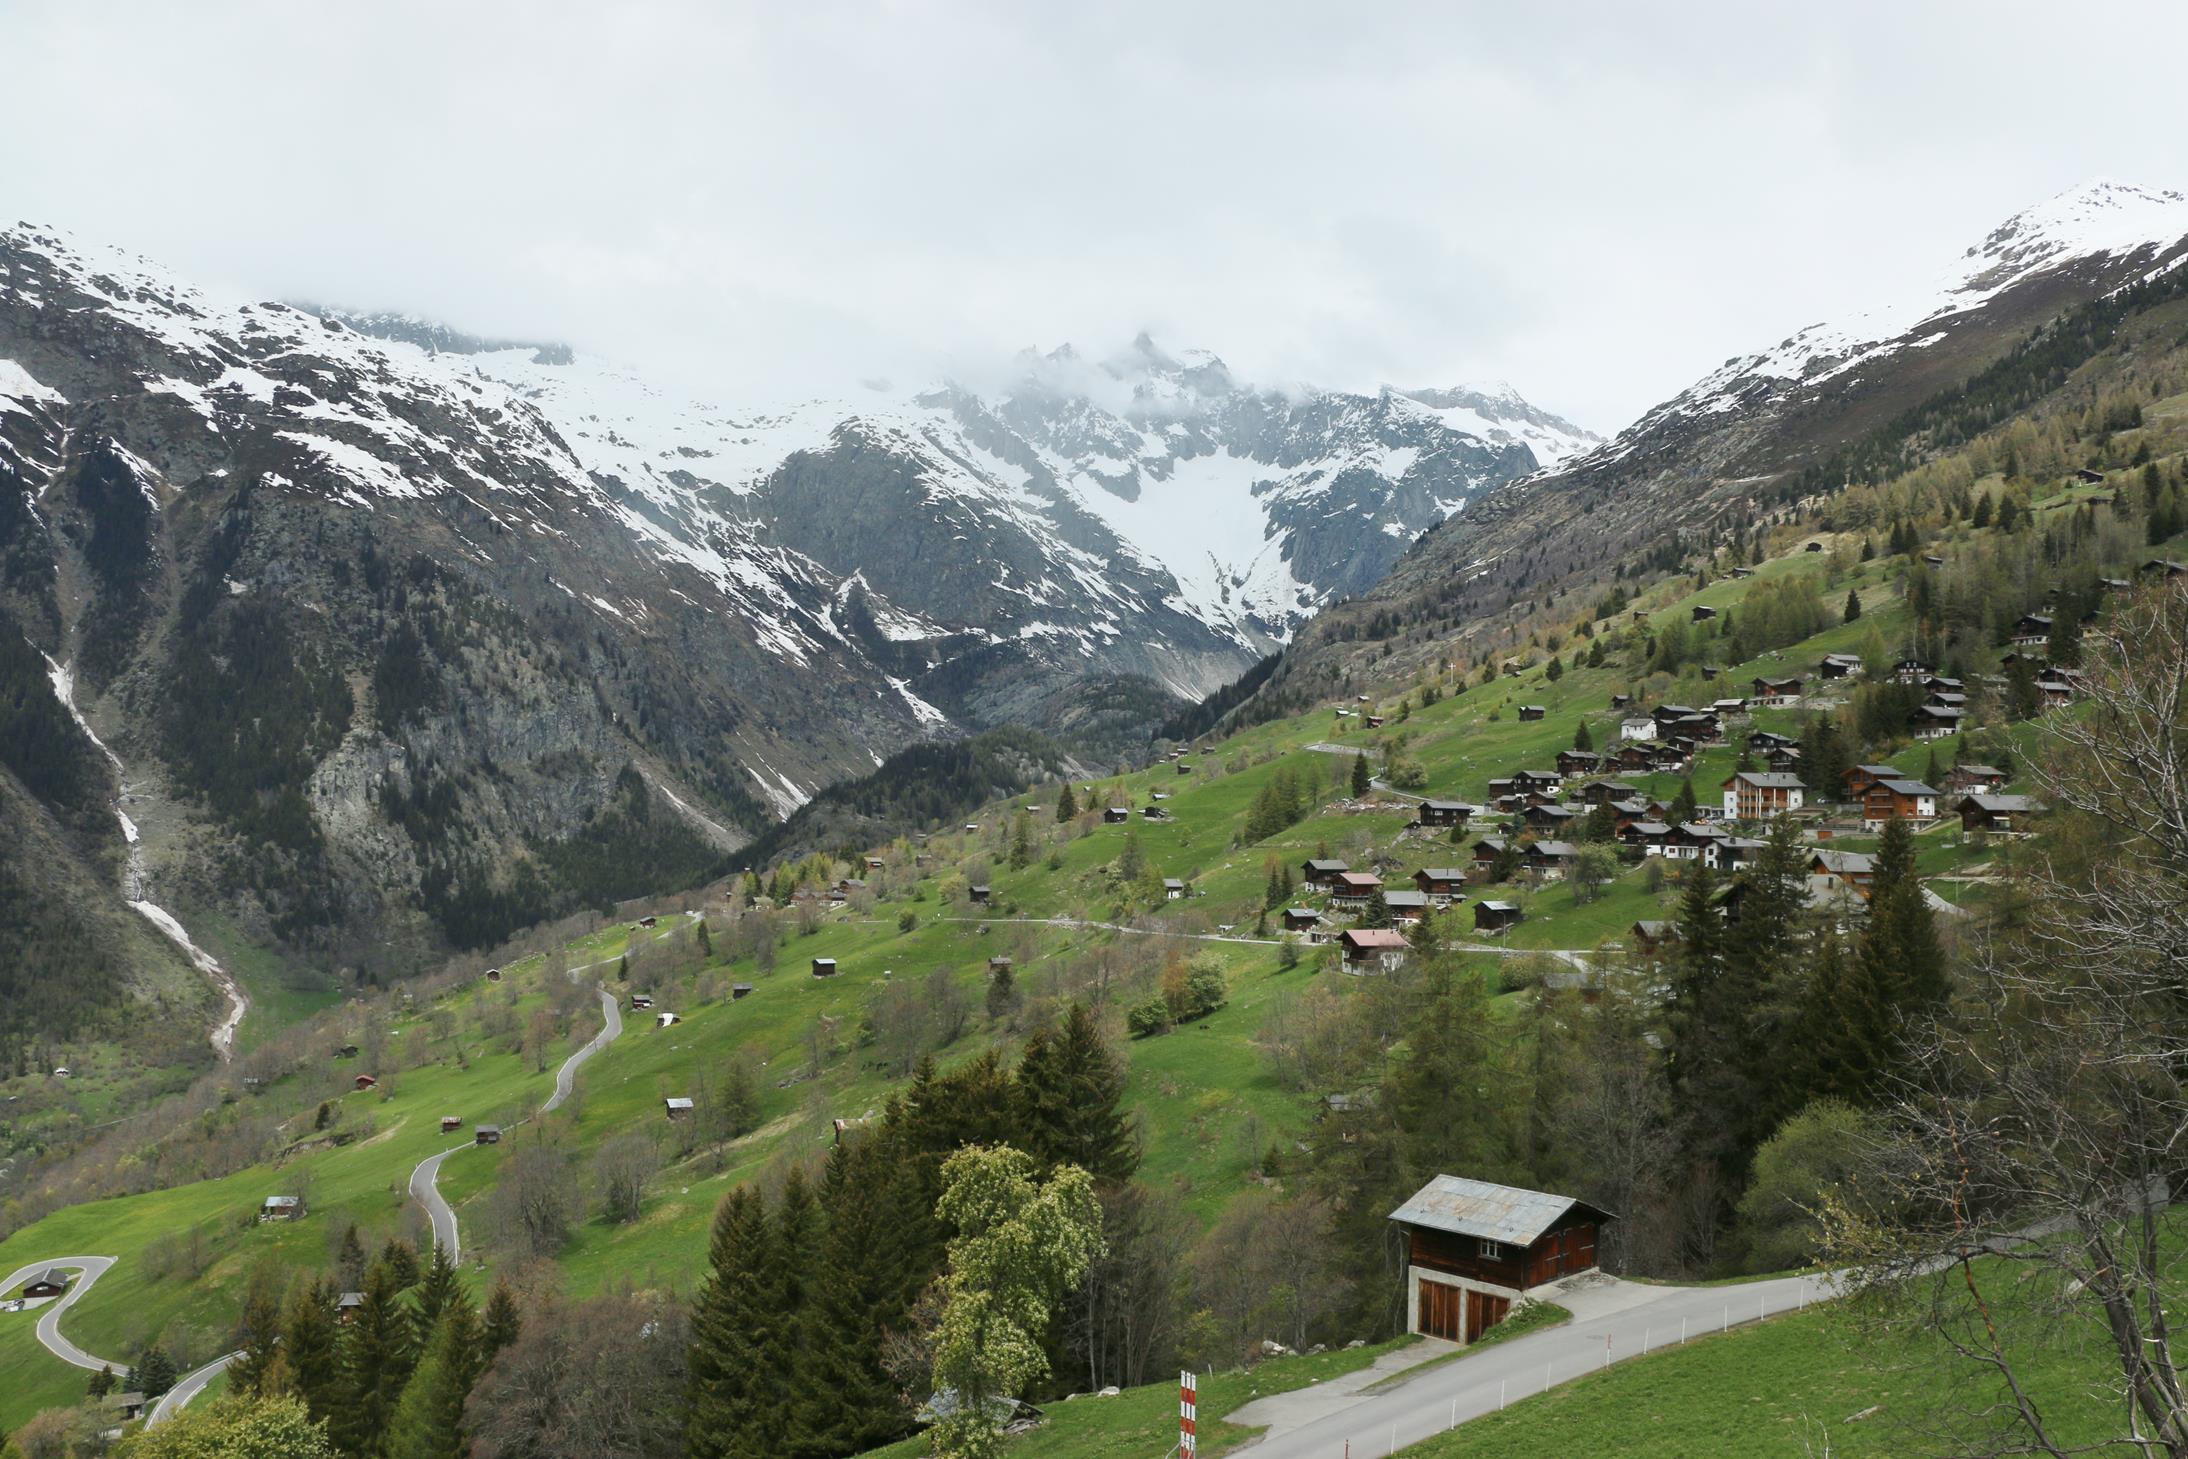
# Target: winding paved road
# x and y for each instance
(1613, 1322)
(88, 1270)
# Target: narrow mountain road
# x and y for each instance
(187, 1387)
(1614, 1322)
(425, 1178)
(88, 1270)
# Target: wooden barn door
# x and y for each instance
(1440, 1308)
(1484, 1313)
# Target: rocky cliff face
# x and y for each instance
(404, 637)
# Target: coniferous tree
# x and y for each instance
(1682, 804)
(1377, 911)
(1071, 1089)
(402, 1260)
(1853, 606)
(725, 1405)
(154, 1373)
(1901, 945)
(309, 1349)
(843, 1400)
(502, 1322)
(788, 1279)
(1582, 740)
(102, 1382)
(1067, 804)
(428, 1422)
(375, 1356)
(1361, 778)
(350, 1264)
(436, 1290)
(260, 1329)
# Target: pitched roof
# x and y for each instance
(2002, 804)
(1371, 938)
(1770, 779)
(1442, 873)
(1845, 863)
(1907, 787)
(1491, 1212)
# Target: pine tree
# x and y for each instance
(1021, 842)
(102, 1382)
(1853, 605)
(789, 1279)
(1360, 775)
(309, 1349)
(1130, 861)
(1556, 669)
(428, 1422)
(1982, 511)
(705, 940)
(350, 1264)
(502, 1322)
(1682, 804)
(155, 1372)
(1067, 805)
(1582, 740)
(725, 1399)
(1377, 911)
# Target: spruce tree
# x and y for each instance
(502, 1321)
(1067, 805)
(309, 1349)
(155, 1372)
(1582, 740)
(789, 1280)
(1901, 945)
(259, 1326)
(842, 1399)
(102, 1382)
(1361, 778)
(1070, 1090)
(436, 1290)
(375, 1361)
(402, 1260)
(725, 1402)
(428, 1422)
(1377, 911)
(1853, 605)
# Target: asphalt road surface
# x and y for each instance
(1613, 1322)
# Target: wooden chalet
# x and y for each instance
(1528, 712)
(1646, 836)
(979, 895)
(998, 964)
(1548, 860)
(2058, 686)
(451, 1123)
(1726, 709)
(1912, 671)
(1373, 949)
(1996, 814)
(493, 975)
(2031, 630)
(1473, 1249)
(1860, 777)
(365, 1081)
(1571, 763)
(1730, 853)
(1779, 692)
(676, 1107)
(1602, 791)
(1486, 852)
(1897, 799)
(1172, 889)
(1440, 884)
(1975, 779)
(1304, 920)
(1446, 812)
(641, 1000)
(1354, 888)
(1651, 938)
(824, 967)
(2088, 477)
(1754, 795)
(1621, 701)
(1937, 721)
(1702, 613)
(739, 990)
(1321, 873)
(51, 1282)
(1406, 906)
(1838, 666)
(1836, 873)
(281, 1208)
(1496, 916)
(1116, 815)
(1550, 817)
(127, 1407)
(1373, 721)
(486, 1135)
(347, 1306)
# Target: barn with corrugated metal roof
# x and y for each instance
(1473, 1249)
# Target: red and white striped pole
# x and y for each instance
(1188, 1414)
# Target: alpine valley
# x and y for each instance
(384, 639)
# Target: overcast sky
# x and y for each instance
(1597, 202)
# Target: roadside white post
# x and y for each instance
(1728, 1318)
(1682, 1332)
(1500, 1395)
(1645, 1332)
(1188, 1413)
(1606, 1350)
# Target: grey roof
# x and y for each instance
(1554, 849)
(54, 1276)
(1846, 863)
(1396, 899)
(1966, 768)
(1908, 787)
(1305, 913)
(1771, 779)
(1498, 906)
(1658, 929)
(1492, 1212)
(1442, 873)
(350, 1299)
(679, 1102)
(2003, 804)
(283, 1201)
(1171, 881)
(1449, 805)
(1323, 864)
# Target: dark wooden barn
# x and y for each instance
(1473, 1249)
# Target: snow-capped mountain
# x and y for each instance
(1736, 442)
(416, 620)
